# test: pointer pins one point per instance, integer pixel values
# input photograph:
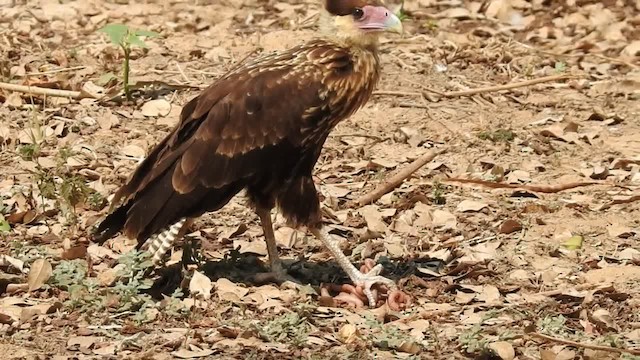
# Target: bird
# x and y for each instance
(260, 128)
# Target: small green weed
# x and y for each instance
(499, 135)
(560, 67)
(126, 38)
(29, 152)
(289, 328)
(438, 193)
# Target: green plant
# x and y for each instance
(64, 187)
(560, 67)
(4, 224)
(553, 325)
(499, 135)
(472, 340)
(126, 38)
(29, 152)
(398, 9)
(290, 326)
(438, 193)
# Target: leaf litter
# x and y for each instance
(528, 221)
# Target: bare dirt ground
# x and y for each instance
(536, 258)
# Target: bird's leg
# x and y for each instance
(366, 281)
(277, 270)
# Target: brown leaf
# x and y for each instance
(76, 252)
(509, 226)
(348, 333)
(39, 274)
(200, 285)
(503, 349)
(190, 354)
(225, 287)
(470, 206)
(157, 107)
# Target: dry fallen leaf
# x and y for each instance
(225, 287)
(191, 354)
(348, 333)
(470, 205)
(157, 107)
(82, 341)
(444, 219)
(7, 261)
(39, 274)
(200, 285)
(503, 349)
(133, 151)
(510, 226)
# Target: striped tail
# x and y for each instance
(163, 241)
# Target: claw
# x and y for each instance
(366, 281)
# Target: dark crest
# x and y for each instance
(346, 7)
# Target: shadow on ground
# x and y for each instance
(245, 269)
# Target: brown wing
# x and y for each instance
(246, 124)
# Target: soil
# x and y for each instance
(527, 224)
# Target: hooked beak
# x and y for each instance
(393, 24)
(379, 18)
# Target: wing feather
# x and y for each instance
(249, 123)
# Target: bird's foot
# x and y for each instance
(278, 274)
(365, 282)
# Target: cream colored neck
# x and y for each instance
(343, 30)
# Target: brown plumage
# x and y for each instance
(260, 127)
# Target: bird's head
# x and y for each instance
(359, 21)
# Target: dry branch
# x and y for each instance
(42, 91)
(583, 345)
(620, 201)
(398, 178)
(546, 189)
(396, 93)
(506, 86)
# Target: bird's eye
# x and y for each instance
(358, 13)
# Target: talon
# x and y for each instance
(366, 281)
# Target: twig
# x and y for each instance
(583, 345)
(506, 86)
(546, 189)
(42, 91)
(396, 93)
(620, 201)
(581, 287)
(184, 76)
(412, 105)
(55, 71)
(398, 178)
(377, 138)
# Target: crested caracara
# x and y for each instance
(260, 127)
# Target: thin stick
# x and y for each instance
(411, 105)
(396, 93)
(620, 201)
(184, 76)
(42, 91)
(377, 138)
(546, 189)
(506, 86)
(398, 178)
(55, 71)
(583, 345)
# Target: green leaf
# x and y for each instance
(105, 79)
(117, 33)
(574, 242)
(147, 33)
(4, 224)
(134, 40)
